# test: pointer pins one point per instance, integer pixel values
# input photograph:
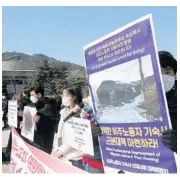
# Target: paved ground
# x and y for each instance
(5, 168)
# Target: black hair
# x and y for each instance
(59, 102)
(167, 59)
(26, 91)
(75, 92)
(38, 90)
(4, 90)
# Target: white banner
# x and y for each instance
(28, 159)
(12, 113)
(28, 124)
(80, 135)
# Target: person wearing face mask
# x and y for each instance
(71, 99)
(45, 119)
(169, 68)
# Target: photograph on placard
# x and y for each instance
(127, 90)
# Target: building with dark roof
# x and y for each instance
(18, 72)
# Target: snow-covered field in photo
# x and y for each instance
(127, 113)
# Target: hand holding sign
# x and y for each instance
(169, 139)
(59, 156)
(36, 118)
(96, 130)
(76, 109)
(21, 124)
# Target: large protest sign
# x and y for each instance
(12, 113)
(129, 99)
(80, 135)
(28, 159)
(28, 124)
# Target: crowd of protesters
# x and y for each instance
(51, 129)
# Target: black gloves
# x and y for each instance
(96, 131)
(169, 139)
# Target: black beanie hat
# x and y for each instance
(167, 59)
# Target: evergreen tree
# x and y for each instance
(42, 74)
(53, 79)
(62, 81)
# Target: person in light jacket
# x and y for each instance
(72, 97)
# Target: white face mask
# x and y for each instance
(33, 99)
(66, 101)
(168, 82)
(3, 97)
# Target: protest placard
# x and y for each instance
(28, 124)
(28, 159)
(80, 135)
(124, 73)
(12, 113)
